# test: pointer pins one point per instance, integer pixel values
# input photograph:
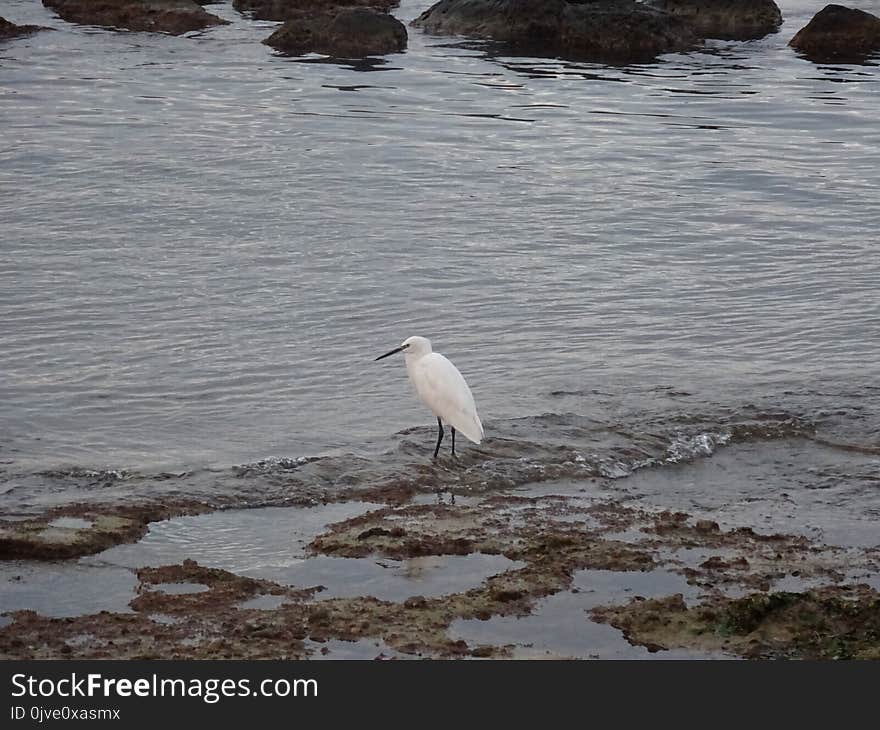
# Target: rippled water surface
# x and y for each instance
(205, 244)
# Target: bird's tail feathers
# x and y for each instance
(471, 429)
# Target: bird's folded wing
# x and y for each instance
(444, 390)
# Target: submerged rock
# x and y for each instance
(342, 33)
(11, 30)
(614, 30)
(163, 16)
(840, 34)
(736, 20)
(287, 9)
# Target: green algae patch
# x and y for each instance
(833, 622)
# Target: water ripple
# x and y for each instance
(205, 243)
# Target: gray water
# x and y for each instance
(205, 244)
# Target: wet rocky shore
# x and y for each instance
(559, 567)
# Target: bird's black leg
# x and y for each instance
(439, 437)
(453, 441)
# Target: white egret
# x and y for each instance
(442, 388)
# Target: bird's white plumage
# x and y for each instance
(443, 389)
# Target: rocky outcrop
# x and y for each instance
(603, 30)
(341, 33)
(163, 16)
(737, 20)
(11, 30)
(839, 34)
(287, 9)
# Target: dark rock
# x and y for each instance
(287, 9)
(839, 34)
(484, 651)
(341, 33)
(381, 532)
(735, 20)
(706, 526)
(11, 30)
(718, 563)
(507, 595)
(605, 30)
(162, 16)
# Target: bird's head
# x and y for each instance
(412, 346)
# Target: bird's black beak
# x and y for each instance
(393, 352)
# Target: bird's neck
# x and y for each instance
(411, 358)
